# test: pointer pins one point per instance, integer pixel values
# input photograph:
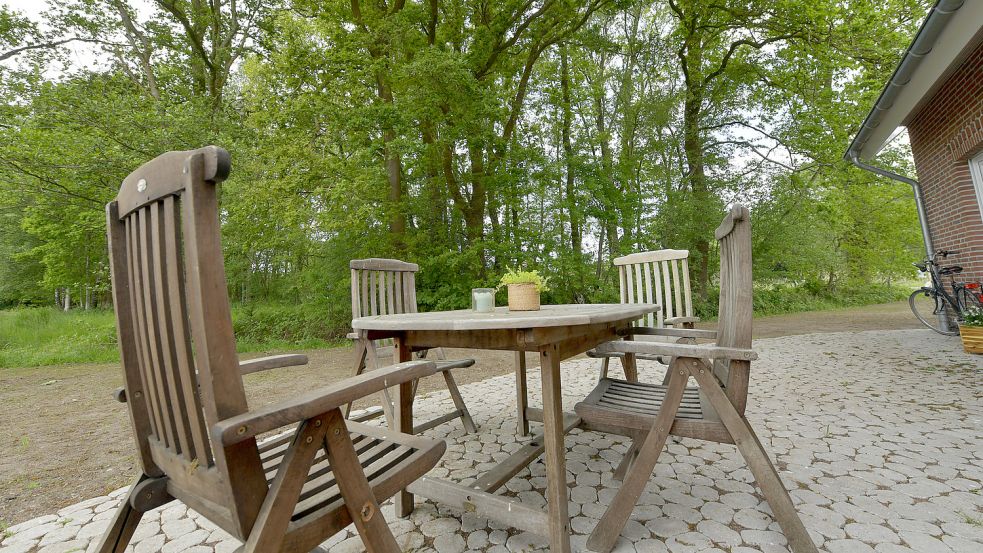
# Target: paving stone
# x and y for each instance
(871, 533)
(866, 466)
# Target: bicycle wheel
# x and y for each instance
(968, 298)
(926, 304)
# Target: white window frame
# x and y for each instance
(976, 173)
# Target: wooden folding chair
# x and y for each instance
(385, 287)
(660, 277)
(196, 436)
(714, 411)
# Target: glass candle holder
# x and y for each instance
(483, 300)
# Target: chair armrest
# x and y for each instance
(707, 351)
(316, 402)
(272, 362)
(681, 320)
(680, 332)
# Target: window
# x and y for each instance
(976, 171)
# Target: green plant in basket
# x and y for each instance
(972, 316)
(513, 276)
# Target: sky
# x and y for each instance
(81, 55)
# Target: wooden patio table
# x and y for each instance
(556, 332)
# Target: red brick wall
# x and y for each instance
(944, 135)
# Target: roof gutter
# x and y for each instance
(937, 19)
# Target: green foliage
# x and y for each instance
(468, 139)
(515, 276)
(972, 316)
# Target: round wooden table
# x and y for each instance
(556, 332)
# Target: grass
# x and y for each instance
(31, 337)
(38, 336)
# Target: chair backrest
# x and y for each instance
(736, 309)
(661, 277)
(383, 287)
(175, 332)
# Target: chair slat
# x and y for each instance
(411, 292)
(677, 289)
(356, 302)
(136, 300)
(172, 378)
(630, 288)
(660, 298)
(151, 319)
(373, 291)
(364, 279)
(390, 291)
(398, 290)
(649, 298)
(669, 311)
(623, 284)
(182, 339)
(687, 293)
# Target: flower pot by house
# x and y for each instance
(523, 297)
(972, 337)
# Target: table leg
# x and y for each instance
(630, 364)
(403, 419)
(521, 397)
(557, 494)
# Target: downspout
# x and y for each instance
(919, 204)
(854, 158)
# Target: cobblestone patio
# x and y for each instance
(878, 436)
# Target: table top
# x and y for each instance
(502, 318)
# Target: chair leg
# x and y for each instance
(605, 363)
(355, 489)
(360, 353)
(626, 461)
(459, 404)
(124, 523)
(373, 363)
(274, 516)
(758, 461)
(613, 521)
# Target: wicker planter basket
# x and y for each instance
(523, 297)
(972, 337)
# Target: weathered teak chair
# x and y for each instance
(714, 411)
(388, 286)
(660, 277)
(196, 437)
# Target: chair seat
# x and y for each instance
(633, 406)
(390, 460)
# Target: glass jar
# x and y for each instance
(483, 300)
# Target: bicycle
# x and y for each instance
(929, 302)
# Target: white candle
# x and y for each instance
(484, 302)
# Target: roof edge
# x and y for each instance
(938, 17)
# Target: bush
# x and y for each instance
(305, 325)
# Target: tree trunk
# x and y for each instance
(693, 148)
(576, 242)
(394, 172)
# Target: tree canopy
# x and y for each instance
(468, 136)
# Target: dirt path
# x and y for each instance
(63, 439)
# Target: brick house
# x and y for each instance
(936, 92)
